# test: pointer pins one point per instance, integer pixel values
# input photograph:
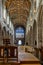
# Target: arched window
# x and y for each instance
(19, 32)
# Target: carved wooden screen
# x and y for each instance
(11, 53)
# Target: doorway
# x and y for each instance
(19, 42)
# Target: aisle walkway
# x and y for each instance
(23, 58)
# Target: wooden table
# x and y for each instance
(27, 59)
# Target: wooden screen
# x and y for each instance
(6, 41)
(9, 52)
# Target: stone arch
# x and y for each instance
(4, 32)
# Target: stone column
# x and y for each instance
(40, 28)
(34, 34)
(0, 9)
(31, 36)
(42, 25)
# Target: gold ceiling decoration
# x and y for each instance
(18, 10)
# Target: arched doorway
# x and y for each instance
(19, 35)
(19, 42)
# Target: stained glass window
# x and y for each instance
(20, 32)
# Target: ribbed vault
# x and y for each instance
(18, 10)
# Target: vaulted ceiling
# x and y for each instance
(18, 10)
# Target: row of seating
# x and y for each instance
(26, 49)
